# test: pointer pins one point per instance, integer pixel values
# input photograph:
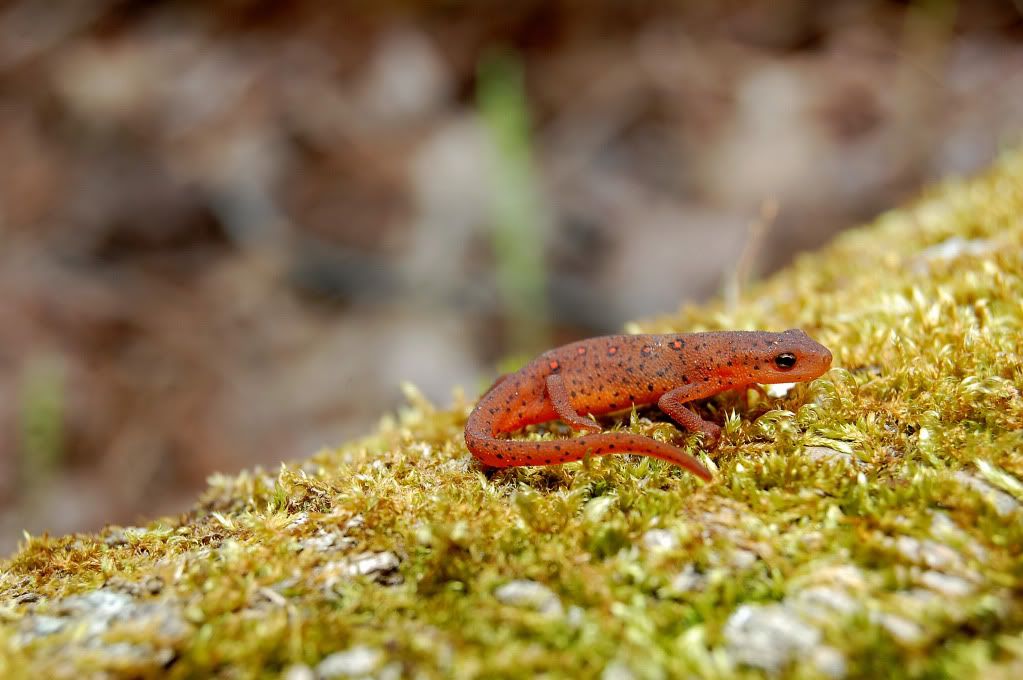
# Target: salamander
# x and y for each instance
(610, 373)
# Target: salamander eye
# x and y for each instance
(785, 360)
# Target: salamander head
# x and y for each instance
(792, 356)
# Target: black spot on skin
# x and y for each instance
(632, 397)
(729, 363)
(547, 461)
(500, 457)
(613, 404)
(572, 393)
(649, 387)
(685, 379)
(756, 367)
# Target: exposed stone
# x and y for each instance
(596, 508)
(27, 598)
(298, 521)
(152, 585)
(98, 607)
(326, 541)
(617, 670)
(935, 555)
(768, 637)
(845, 576)
(1003, 503)
(381, 566)
(688, 580)
(357, 661)
(531, 595)
(826, 454)
(829, 661)
(94, 616)
(659, 540)
(575, 616)
(40, 626)
(950, 586)
(368, 564)
(823, 602)
(743, 559)
(116, 538)
(298, 672)
(905, 631)
(946, 530)
(353, 522)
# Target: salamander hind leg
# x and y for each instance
(558, 394)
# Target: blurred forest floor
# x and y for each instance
(229, 231)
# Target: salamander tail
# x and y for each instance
(495, 452)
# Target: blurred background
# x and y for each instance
(228, 231)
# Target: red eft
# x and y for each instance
(610, 373)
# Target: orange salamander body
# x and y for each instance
(610, 373)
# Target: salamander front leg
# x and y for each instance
(674, 404)
(558, 394)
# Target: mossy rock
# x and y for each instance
(868, 524)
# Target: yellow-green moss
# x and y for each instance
(866, 525)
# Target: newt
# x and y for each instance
(615, 372)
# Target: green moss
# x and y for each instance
(865, 525)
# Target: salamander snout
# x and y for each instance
(793, 356)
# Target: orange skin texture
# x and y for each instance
(615, 372)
